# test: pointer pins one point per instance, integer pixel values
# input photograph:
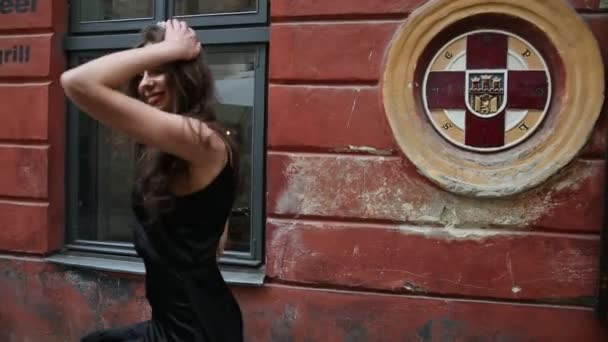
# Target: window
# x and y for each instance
(101, 161)
(120, 15)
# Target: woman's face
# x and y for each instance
(153, 89)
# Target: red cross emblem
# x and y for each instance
(487, 90)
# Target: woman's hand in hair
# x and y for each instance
(182, 38)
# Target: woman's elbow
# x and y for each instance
(67, 79)
(72, 83)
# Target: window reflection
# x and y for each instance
(235, 75)
(197, 7)
(106, 159)
(101, 10)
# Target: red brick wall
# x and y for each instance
(357, 245)
(347, 211)
(32, 132)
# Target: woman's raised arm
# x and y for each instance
(93, 88)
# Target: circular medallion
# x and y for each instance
(490, 99)
(487, 90)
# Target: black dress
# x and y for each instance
(189, 299)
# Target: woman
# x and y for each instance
(185, 185)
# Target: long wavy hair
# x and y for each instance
(193, 95)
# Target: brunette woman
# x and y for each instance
(185, 183)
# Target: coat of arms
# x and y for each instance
(487, 90)
(486, 95)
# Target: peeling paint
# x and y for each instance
(380, 188)
(566, 265)
(280, 241)
(362, 149)
(57, 303)
(283, 328)
(283, 313)
(426, 332)
(452, 233)
(415, 288)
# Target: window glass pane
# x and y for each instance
(87, 187)
(235, 75)
(115, 162)
(105, 169)
(196, 7)
(106, 159)
(99, 10)
(105, 180)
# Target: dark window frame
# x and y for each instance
(219, 40)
